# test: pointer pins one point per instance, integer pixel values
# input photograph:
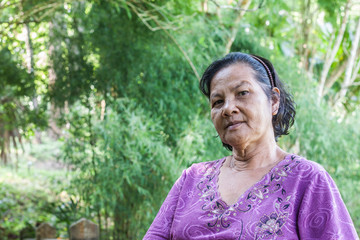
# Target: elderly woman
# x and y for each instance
(259, 191)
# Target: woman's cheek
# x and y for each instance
(215, 120)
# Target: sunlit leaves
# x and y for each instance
(128, 162)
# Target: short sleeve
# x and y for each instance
(160, 228)
(323, 214)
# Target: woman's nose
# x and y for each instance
(229, 108)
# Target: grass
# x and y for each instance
(31, 185)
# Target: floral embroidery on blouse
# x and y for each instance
(270, 225)
(220, 215)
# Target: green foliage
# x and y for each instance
(32, 191)
(131, 114)
(17, 115)
(72, 68)
(199, 142)
(333, 7)
(67, 212)
(124, 167)
(14, 78)
(22, 203)
(19, 207)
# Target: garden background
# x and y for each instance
(100, 108)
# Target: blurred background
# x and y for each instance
(100, 109)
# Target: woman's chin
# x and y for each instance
(236, 142)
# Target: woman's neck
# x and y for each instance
(262, 156)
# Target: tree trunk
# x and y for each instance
(306, 28)
(350, 66)
(119, 221)
(54, 43)
(106, 223)
(235, 28)
(99, 221)
(328, 61)
(29, 50)
(355, 72)
(336, 74)
(30, 67)
(204, 6)
(30, 70)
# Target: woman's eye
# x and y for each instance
(243, 93)
(217, 102)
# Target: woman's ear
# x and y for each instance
(275, 100)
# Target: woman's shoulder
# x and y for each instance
(304, 162)
(205, 168)
(306, 169)
(208, 163)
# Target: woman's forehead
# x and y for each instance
(234, 75)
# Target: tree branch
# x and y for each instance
(349, 69)
(183, 52)
(165, 29)
(335, 75)
(29, 16)
(19, 22)
(235, 29)
(9, 5)
(239, 8)
(330, 59)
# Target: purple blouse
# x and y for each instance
(297, 199)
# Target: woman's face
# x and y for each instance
(240, 110)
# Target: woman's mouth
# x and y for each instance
(233, 125)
